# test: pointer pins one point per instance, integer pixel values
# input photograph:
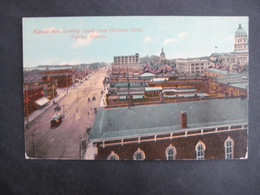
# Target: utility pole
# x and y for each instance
(63, 111)
(80, 147)
(33, 152)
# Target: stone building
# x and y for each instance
(129, 64)
(191, 65)
(240, 54)
(241, 42)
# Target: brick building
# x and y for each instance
(62, 76)
(31, 93)
(212, 129)
(34, 91)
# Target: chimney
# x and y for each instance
(161, 97)
(183, 120)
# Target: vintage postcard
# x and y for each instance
(136, 88)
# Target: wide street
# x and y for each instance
(42, 141)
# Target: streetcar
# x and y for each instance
(56, 120)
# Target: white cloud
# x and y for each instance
(182, 35)
(228, 38)
(170, 40)
(149, 39)
(84, 40)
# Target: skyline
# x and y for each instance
(76, 40)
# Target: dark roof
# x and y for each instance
(140, 120)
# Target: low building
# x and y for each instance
(212, 129)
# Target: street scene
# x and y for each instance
(78, 112)
(112, 88)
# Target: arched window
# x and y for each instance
(229, 143)
(200, 150)
(170, 153)
(139, 155)
(113, 156)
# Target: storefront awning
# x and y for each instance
(42, 101)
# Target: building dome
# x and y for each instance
(162, 53)
(162, 56)
(240, 32)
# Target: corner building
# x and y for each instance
(212, 129)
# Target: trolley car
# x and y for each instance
(56, 120)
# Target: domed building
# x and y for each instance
(239, 57)
(162, 56)
(240, 43)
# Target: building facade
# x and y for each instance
(130, 64)
(63, 77)
(191, 65)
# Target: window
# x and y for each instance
(200, 150)
(139, 155)
(229, 143)
(170, 153)
(113, 156)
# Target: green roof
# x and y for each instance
(141, 120)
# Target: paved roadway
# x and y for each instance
(63, 142)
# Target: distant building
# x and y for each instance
(64, 77)
(191, 65)
(130, 64)
(162, 56)
(212, 129)
(241, 42)
(240, 54)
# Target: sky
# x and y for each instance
(75, 40)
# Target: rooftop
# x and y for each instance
(141, 120)
(215, 70)
(147, 75)
(235, 80)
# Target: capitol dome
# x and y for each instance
(240, 32)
